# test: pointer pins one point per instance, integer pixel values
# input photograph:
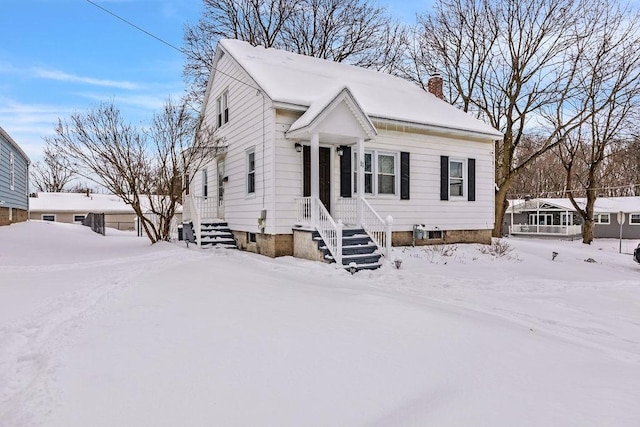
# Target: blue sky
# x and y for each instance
(62, 56)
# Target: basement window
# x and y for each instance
(251, 237)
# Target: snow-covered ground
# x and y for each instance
(110, 331)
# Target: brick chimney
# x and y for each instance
(435, 85)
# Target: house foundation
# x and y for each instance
(12, 215)
(271, 245)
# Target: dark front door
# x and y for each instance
(324, 171)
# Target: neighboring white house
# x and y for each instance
(74, 207)
(558, 217)
(306, 136)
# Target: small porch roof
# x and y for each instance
(338, 118)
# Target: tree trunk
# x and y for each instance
(501, 206)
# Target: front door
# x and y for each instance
(324, 171)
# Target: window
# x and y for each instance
(380, 175)
(78, 218)
(205, 183)
(456, 178)
(222, 106)
(566, 218)
(540, 219)
(49, 218)
(634, 218)
(186, 183)
(602, 218)
(434, 235)
(251, 172)
(251, 237)
(12, 174)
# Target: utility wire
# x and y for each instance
(184, 52)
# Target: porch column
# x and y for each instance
(315, 177)
(360, 181)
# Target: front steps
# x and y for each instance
(357, 248)
(215, 233)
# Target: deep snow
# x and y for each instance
(106, 331)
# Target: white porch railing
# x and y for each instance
(378, 229)
(329, 230)
(206, 206)
(347, 213)
(551, 230)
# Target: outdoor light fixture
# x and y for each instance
(298, 147)
(340, 150)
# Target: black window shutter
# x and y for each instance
(444, 177)
(471, 173)
(345, 172)
(404, 176)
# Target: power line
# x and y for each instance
(164, 41)
(560, 192)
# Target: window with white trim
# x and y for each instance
(634, 218)
(457, 178)
(566, 218)
(205, 183)
(601, 218)
(12, 172)
(380, 173)
(48, 217)
(251, 172)
(78, 218)
(222, 108)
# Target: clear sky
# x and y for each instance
(62, 56)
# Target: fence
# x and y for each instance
(95, 221)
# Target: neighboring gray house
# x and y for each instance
(14, 178)
(558, 217)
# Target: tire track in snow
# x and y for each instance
(29, 347)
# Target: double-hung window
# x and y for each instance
(222, 108)
(456, 178)
(634, 218)
(205, 183)
(601, 218)
(251, 172)
(380, 173)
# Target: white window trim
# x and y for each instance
(248, 172)
(55, 218)
(222, 104)
(205, 182)
(566, 218)
(637, 222)
(12, 172)
(75, 216)
(464, 179)
(374, 173)
(597, 218)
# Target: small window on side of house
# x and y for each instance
(48, 217)
(434, 235)
(251, 172)
(222, 108)
(251, 237)
(78, 218)
(602, 218)
(634, 219)
(456, 178)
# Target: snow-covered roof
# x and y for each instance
(80, 202)
(603, 204)
(300, 80)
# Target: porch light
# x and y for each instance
(340, 150)
(298, 147)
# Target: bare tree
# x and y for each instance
(53, 173)
(611, 88)
(353, 31)
(142, 166)
(514, 64)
